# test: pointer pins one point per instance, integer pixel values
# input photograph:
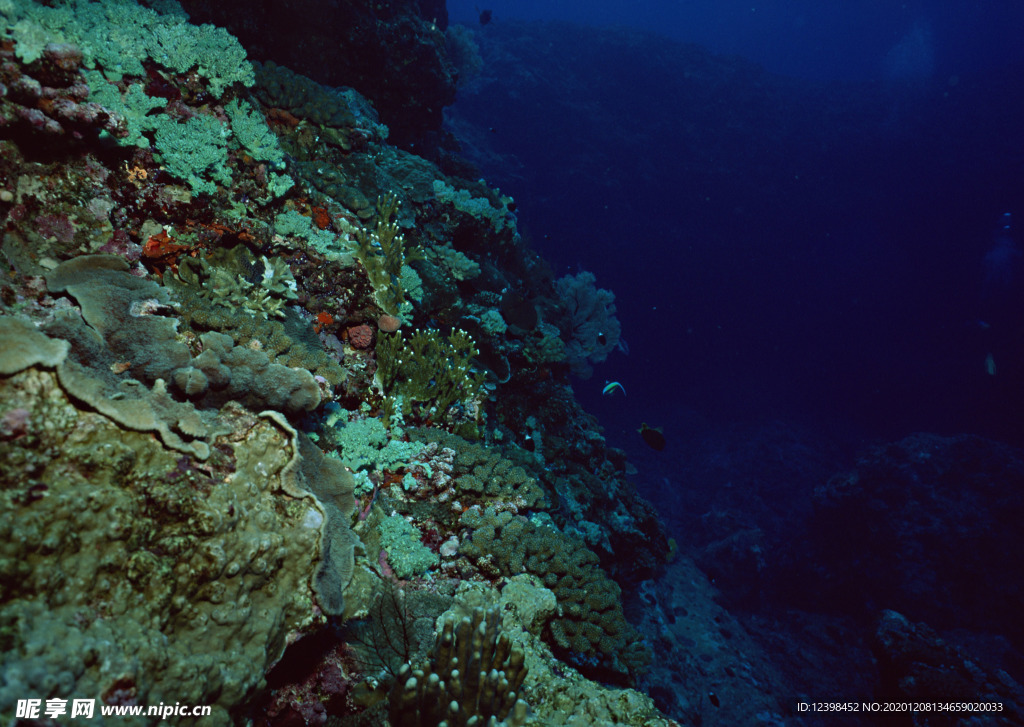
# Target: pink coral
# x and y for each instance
(121, 244)
(14, 423)
(59, 226)
(55, 102)
(360, 336)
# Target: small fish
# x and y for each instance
(653, 436)
(611, 386)
(485, 17)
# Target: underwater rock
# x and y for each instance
(915, 665)
(133, 572)
(915, 525)
(394, 54)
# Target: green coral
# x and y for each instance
(385, 255)
(253, 133)
(213, 52)
(492, 322)
(407, 555)
(429, 371)
(196, 151)
(133, 105)
(459, 265)
(279, 184)
(499, 218)
(139, 568)
(265, 291)
(364, 444)
(118, 36)
(326, 242)
(287, 339)
(591, 626)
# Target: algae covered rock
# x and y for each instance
(132, 573)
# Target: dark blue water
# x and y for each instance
(779, 245)
(813, 222)
(802, 37)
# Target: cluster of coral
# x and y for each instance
(266, 379)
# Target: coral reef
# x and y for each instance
(591, 630)
(385, 256)
(473, 675)
(132, 572)
(432, 375)
(393, 53)
(592, 329)
(556, 694)
(487, 474)
(248, 411)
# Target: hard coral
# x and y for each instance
(591, 631)
(388, 324)
(360, 336)
(206, 595)
(474, 676)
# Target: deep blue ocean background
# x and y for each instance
(800, 229)
(812, 219)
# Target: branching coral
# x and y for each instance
(473, 677)
(264, 288)
(429, 371)
(385, 256)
